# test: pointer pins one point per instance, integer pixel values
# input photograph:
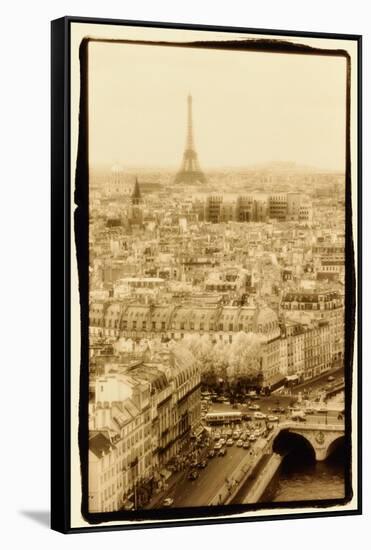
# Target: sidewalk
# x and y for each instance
(302, 385)
(171, 482)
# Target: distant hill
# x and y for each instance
(287, 166)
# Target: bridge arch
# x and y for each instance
(288, 441)
(335, 444)
(322, 439)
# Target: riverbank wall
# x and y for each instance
(263, 480)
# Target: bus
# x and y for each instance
(223, 417)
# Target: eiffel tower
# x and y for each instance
(190, 172)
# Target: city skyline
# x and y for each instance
(289, 166)
(216, 294)
(289, 108)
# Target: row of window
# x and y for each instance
(110, 323)
(109, 491)
(110, 507)
(107, 475)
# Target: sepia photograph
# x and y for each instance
(215, 207)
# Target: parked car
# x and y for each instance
(278, 410)
(222, 441)
(259, 415)
(297, 415)
(211, 453)
(217, 446)
(252, 437)
(300, 419)
(222, 451)
(330, 378)
(239, 443)
(202, 464)
(272, 418)
(229, 442)
(246, 445)
(167, 502)
(254, 407)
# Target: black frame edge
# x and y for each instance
(60, 279)
(358, 259)
(205, 27)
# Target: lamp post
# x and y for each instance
(135, 495)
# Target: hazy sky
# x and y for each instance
(248, 107)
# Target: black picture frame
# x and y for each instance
(64, 227)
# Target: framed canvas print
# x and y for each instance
(205, 274)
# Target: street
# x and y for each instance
(266, 404)
(319, 383)
(200, 491)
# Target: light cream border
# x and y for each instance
(80, 31)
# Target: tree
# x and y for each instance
(236, 365)
(245, 357)
(220, 359)
(201, 347)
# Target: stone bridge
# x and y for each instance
(322, 436)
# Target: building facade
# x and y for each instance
(143, 413)
(317, 305)
(254, 208)
(173, 322)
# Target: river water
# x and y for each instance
(301, 478)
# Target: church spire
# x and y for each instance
(136, 196)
